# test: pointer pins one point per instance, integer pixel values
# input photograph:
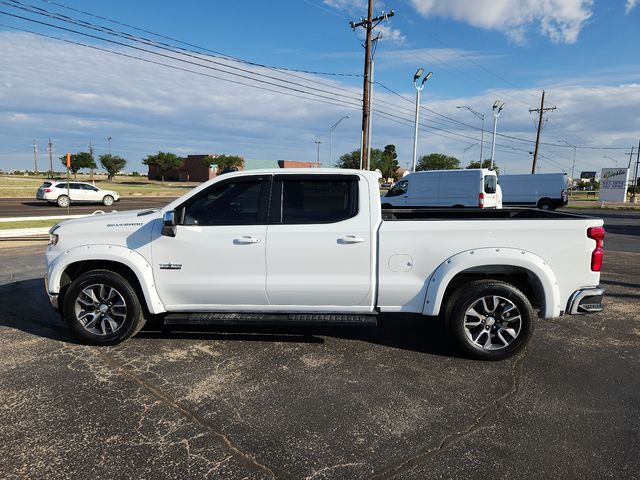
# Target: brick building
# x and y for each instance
(193, 169)
(296, 164)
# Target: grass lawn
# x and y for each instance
(12, 186)
(28, 224)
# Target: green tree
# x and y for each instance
(352, 159)
(387, 162)
(112, 164)
(225, 162)
(437, 161)
(164, 161)
(79, 161)
(485, 164)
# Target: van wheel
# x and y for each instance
(545, 205)
(387, 205)
(490, 320)
(63, 201)
(102, 308)
(107, 201)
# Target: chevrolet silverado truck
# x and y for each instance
(313, 246)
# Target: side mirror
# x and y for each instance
(169, 224)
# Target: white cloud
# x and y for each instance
(434, 56)
(631, 4)
(146, 108)
(560, 20)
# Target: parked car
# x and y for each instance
(445, 188)
(78, 192)
(312, 246)
(547, 191)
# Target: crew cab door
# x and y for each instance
(319, 244)
(216, 261)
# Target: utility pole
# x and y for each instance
(318, 142)
(368, 23)
(635, 174)
(50, 159)
(35, 155)
(630, 157)
(91, 153)
(109, 140)
(541, 111)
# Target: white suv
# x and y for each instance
(79, 192)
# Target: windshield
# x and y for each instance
(399, 188)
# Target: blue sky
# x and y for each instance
(581, 52)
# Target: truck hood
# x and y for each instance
(131, 229)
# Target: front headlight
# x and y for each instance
(53, 238)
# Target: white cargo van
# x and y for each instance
(547, 191)
(445, 188)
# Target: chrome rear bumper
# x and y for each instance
(588, 300)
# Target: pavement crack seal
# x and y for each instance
(243, 457)
(488, 413)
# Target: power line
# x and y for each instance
(237, 59)
(191, 62)
(174, 67)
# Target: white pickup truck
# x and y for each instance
(314, 246)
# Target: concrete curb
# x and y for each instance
(23, 232)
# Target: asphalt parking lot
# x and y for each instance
(323, 403)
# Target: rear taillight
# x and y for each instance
(48, 190)
(597, 234)
(481, 200)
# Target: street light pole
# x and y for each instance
(481, 117)
(419, 89)
(109, 140)
(573, 166)
(331, 129)
(611, 158)
(318, 142)
(497, 108)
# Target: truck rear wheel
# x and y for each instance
(102, 308)
(490, 320)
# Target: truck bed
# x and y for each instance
(425, 213)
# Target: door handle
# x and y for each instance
(245, 240)
(350, 239)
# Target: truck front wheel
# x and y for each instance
(490, 320)
(102, 308)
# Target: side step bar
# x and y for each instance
(312, 319)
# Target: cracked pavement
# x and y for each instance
(319, 403)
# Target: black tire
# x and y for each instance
(107, 201)
(545, 205)
(98, 330)
(386, 205)
(494, 339)
(63, 201)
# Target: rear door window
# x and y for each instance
(315, 199)
(490, 183)
(45, 185)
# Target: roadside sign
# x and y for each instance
(613, 184)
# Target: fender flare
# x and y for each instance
(113, 253)
(447, 270)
